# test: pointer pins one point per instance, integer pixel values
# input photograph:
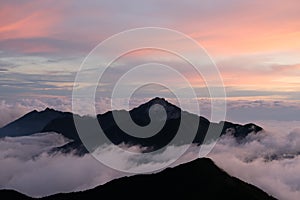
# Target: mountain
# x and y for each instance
(13, 195)
(199, 179)
(32, 122)
(50, 120)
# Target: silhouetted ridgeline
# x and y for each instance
(199, 179)
(51, 120)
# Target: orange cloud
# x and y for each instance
(37, 24)
(29, 20)
(249, 27)
(23, 25)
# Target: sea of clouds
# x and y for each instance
(269, 160)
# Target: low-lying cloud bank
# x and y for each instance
(268, 160)
(43, 174)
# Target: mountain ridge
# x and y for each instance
(32, 122)
(51, 120)
(200, 178)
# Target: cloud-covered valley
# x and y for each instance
(269, 160)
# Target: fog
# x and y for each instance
(268, 160)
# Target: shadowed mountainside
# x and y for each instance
(193, 126)
(199, 179)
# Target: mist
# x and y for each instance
(28, 167)
(268, 160)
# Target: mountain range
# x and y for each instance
(200, 178)
(51, 120)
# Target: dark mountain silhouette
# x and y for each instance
(13, 195)
(199, 179)
(50, 120)
(32, 122)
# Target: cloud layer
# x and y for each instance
(269, 160)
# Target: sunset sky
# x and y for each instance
(255, 44)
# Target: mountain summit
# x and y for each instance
(172, 111)
(32, 122)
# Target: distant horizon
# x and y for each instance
(237, 119)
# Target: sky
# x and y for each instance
(254, 44)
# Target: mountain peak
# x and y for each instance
(50, 110)
(30, 123)
(173, 112)
(161, 101)
(158, 99)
